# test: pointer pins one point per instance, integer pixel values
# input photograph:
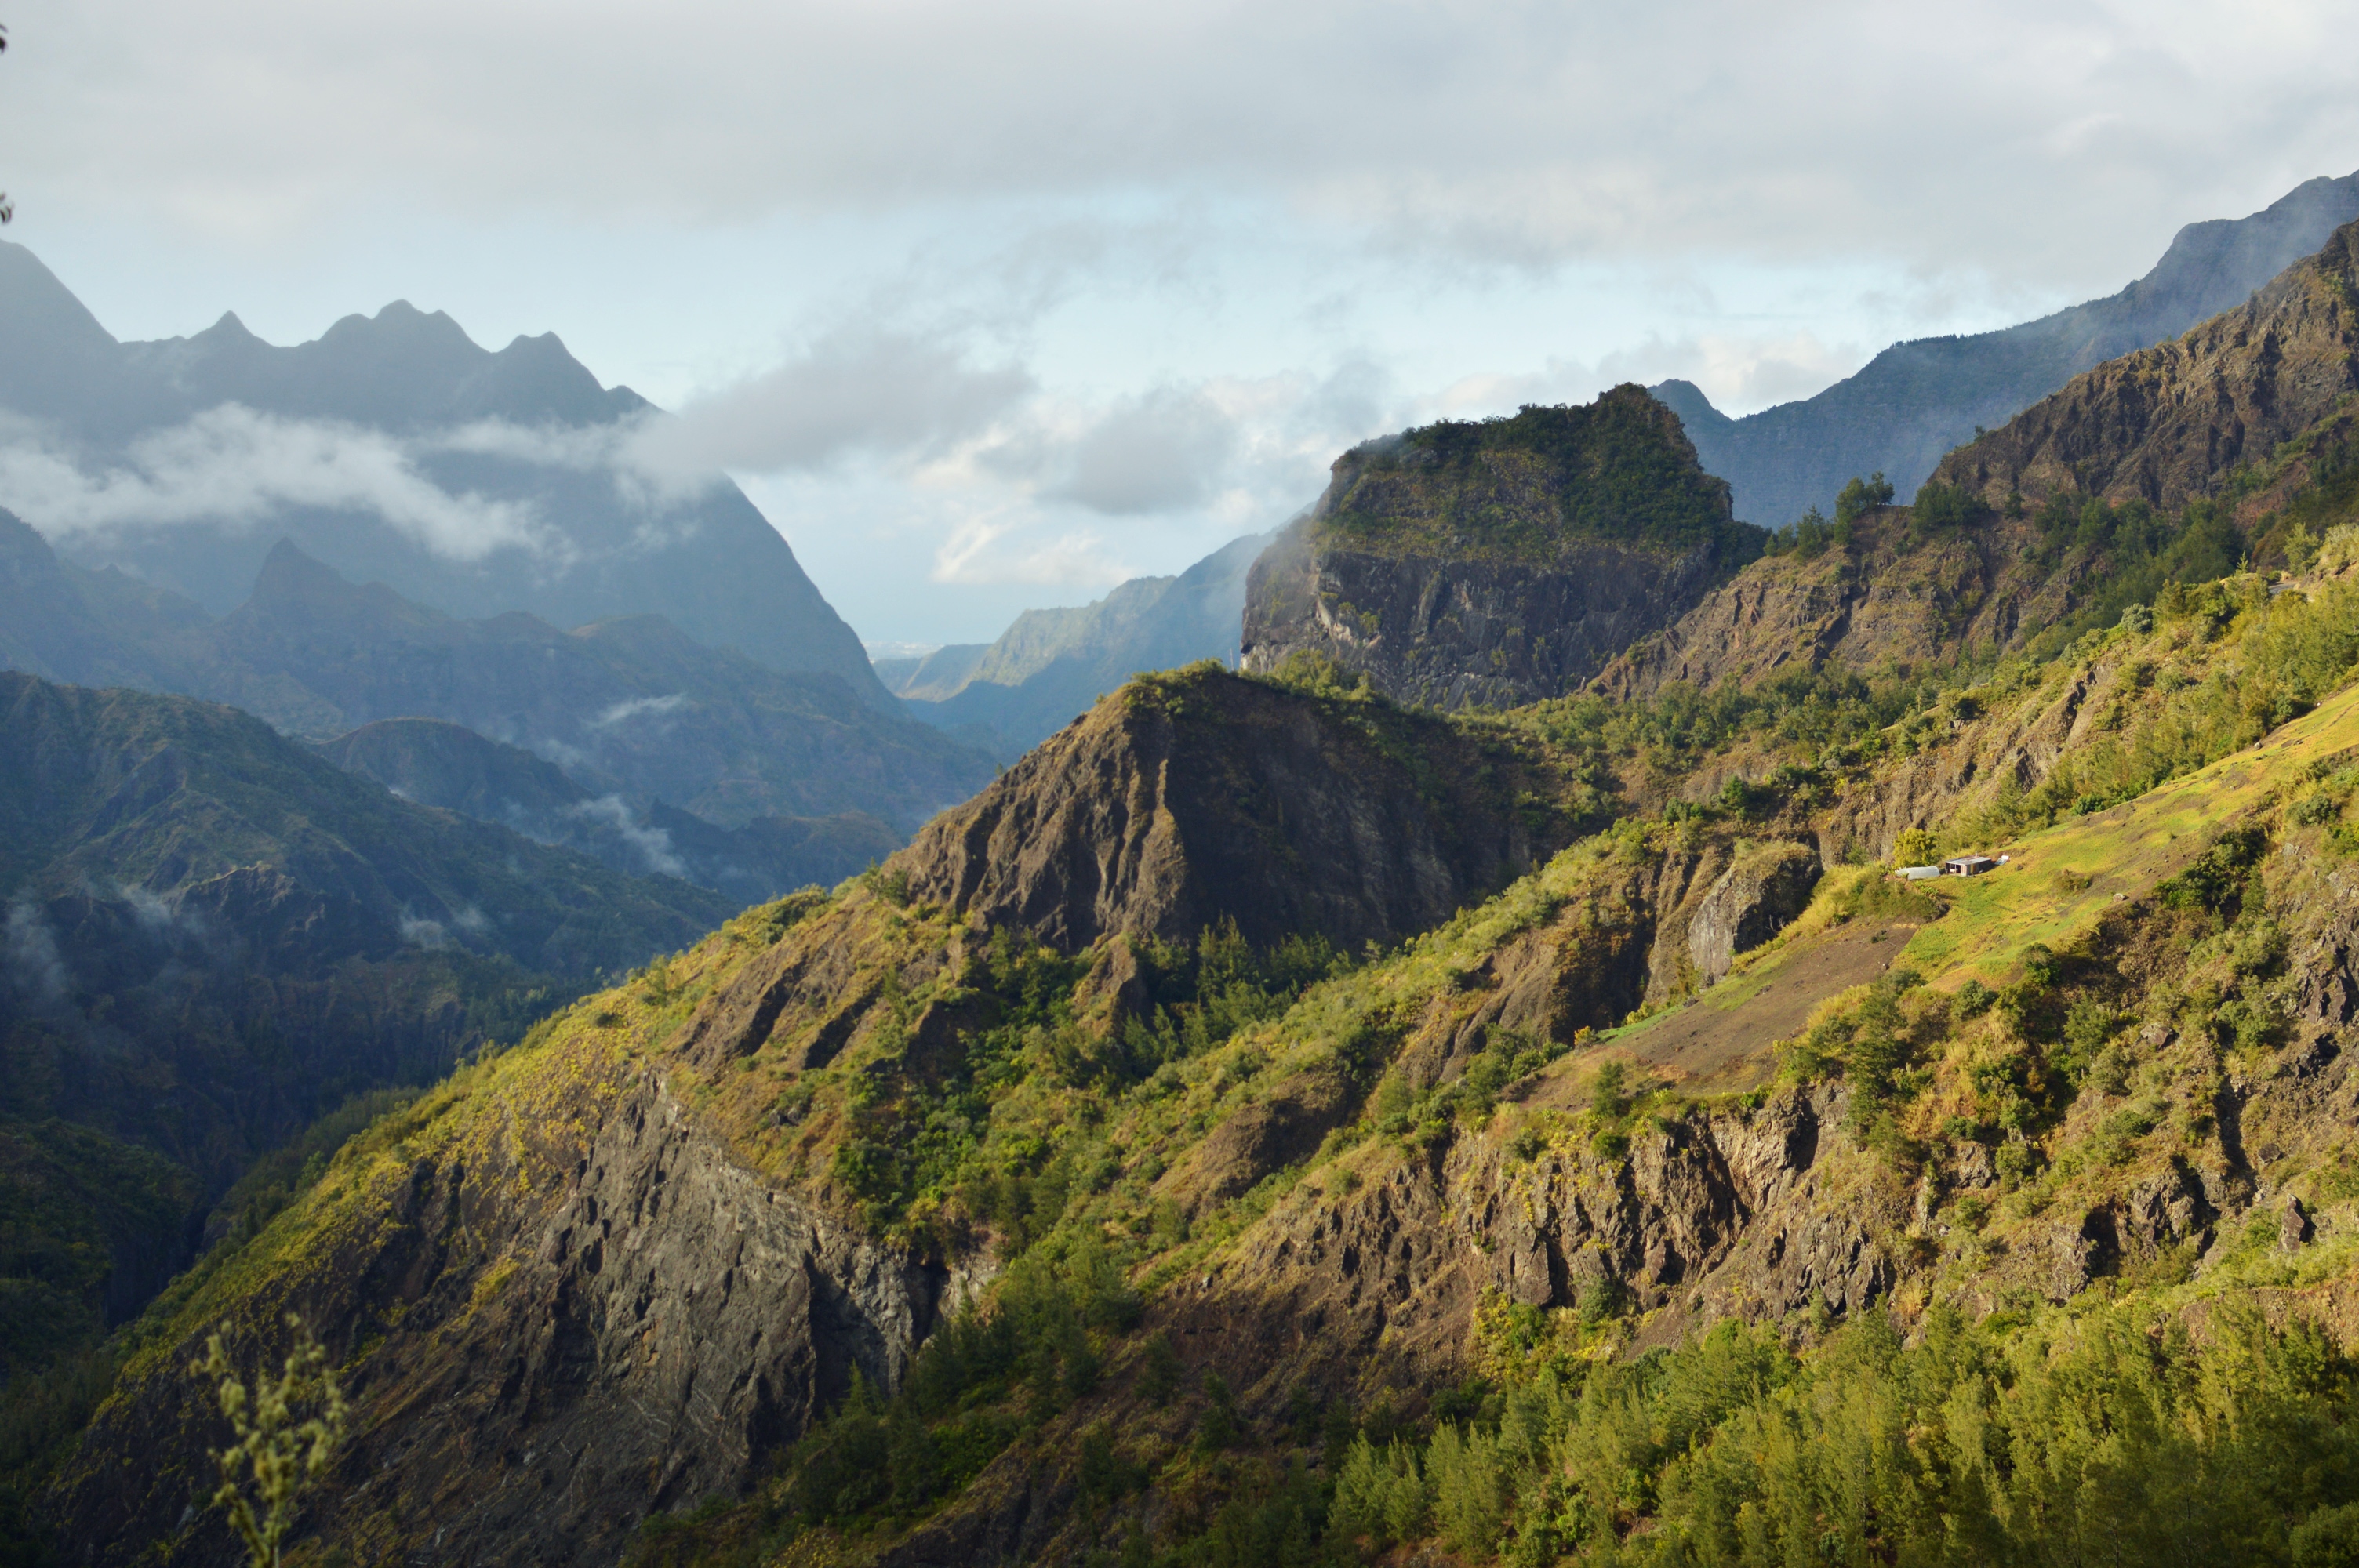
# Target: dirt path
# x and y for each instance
(1719, 1043)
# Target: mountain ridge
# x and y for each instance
(1909, 405)
(711, 561)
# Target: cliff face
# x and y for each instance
(1500, 563)
(1190, 798)
(2167, 422)
(578, 1305)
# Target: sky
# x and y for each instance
(990, 307)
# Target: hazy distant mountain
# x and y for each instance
(395, 449)
(436, 763)
(1051, 665)
(211, 936)
(1915, 401)
(627, 707)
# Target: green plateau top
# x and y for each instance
(1526, 488)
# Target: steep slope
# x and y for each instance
(877, 982)
(1194, 796)
(2165, 425)
(1053, 664)
(1888, 595)
(1497, 563)
(1915, 401)
(442, 765)
(631, 1255)
(522, 448)
(1239, 1213)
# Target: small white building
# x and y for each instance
(1968, 865)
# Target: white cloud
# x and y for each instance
(233, 466)
(867, 390)
(636, 708)
(1515, 135)
(651, 844)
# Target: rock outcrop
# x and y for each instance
(1192, 798)
(571, 1322)
(2165, 424)
(1756, 898)
(1497, 563)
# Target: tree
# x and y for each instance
(1861, 495)
(283, 1451)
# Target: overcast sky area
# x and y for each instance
(992, 306)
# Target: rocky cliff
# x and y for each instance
(1198, 796)
(1497, 563)
(2165, 425)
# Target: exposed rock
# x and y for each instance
(2165, 424)
(2294, 1229)
(1754, 899)
(553, 1368)
(1885, 597)
(1200, 796)
(1498, 564)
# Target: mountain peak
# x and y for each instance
(293, 586)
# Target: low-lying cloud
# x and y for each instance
(232, 466)
(652, 845)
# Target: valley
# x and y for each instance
(1462, 1083)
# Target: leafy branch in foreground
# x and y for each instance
(283, 1454)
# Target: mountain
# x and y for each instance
(1498, 562)
(214, 937)
(442, 765)
(1054, 663)
(1705, 1184)
(2167, 424)
(1915, 401)
(396, 450)
(628, 706)
(1199, 797)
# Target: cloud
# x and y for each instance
(28, 949)
(652, 844)
(419, 932)
(1166, 450)
(233, 466)
(854, 390)
(1514, 136)
(635, 707)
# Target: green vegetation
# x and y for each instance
(281, 1450)
(1618, 470)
